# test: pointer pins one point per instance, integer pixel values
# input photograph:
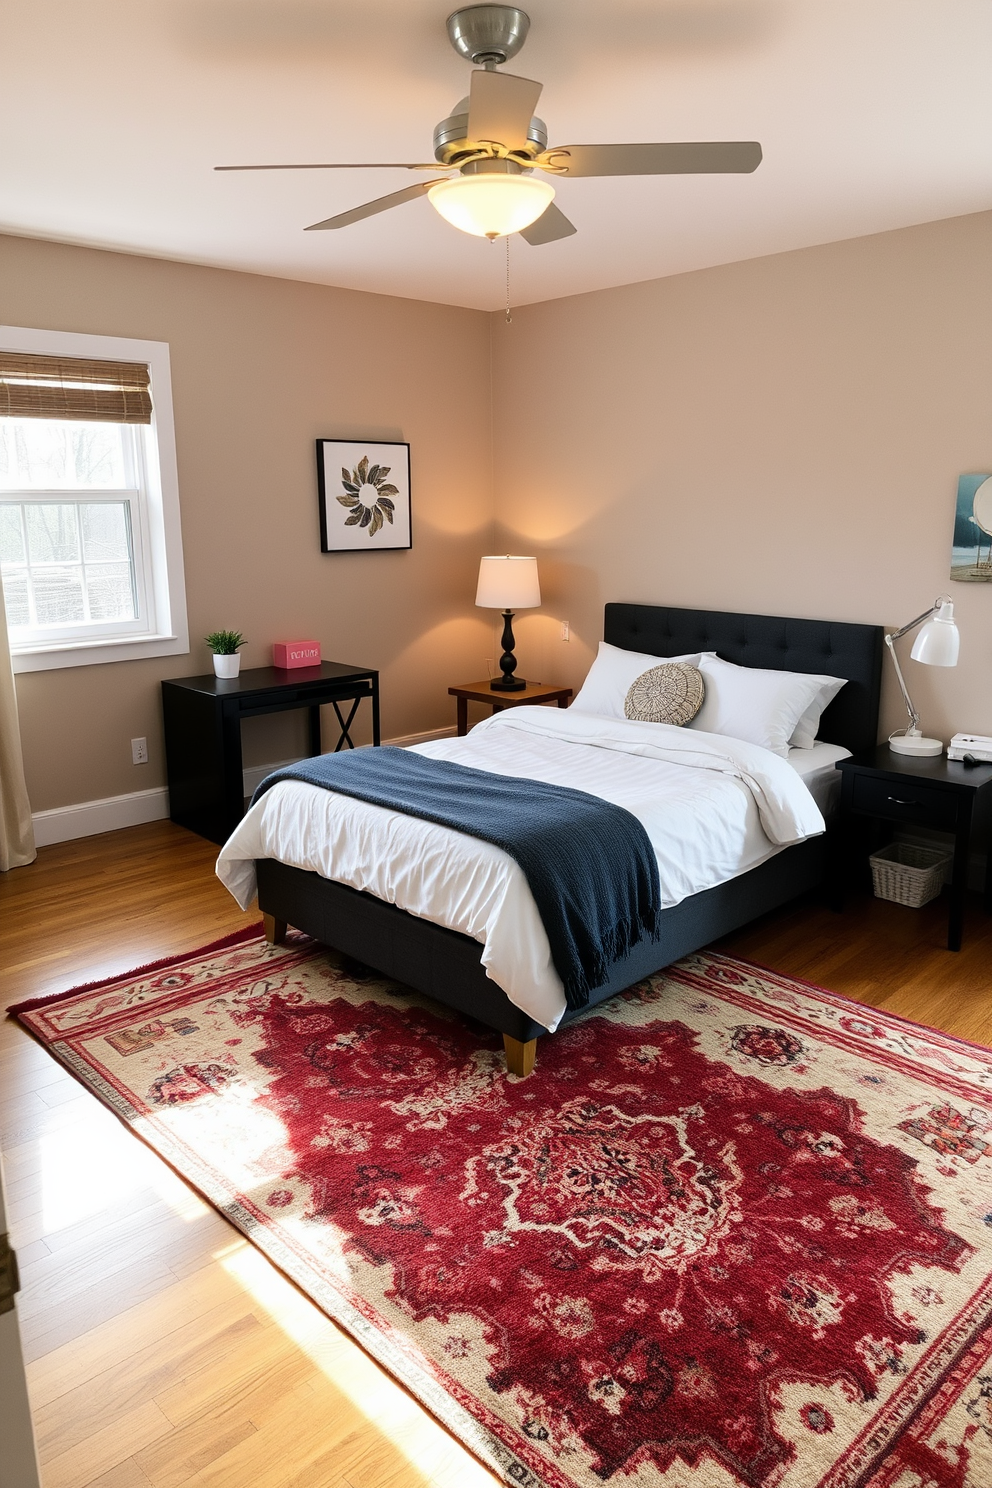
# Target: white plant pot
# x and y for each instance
(227, 666)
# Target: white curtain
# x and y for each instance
(16, 832)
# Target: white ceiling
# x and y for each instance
(873, 114)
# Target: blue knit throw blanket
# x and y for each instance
(590, 865)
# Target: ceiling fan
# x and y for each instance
(493, 143)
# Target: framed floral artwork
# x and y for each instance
(364, 490)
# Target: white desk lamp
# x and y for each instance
(508, 583)
(937, 644)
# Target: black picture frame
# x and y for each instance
(385, 520)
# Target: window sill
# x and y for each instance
(94, 653)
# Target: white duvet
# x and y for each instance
(711, 806)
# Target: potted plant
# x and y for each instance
(224, 644)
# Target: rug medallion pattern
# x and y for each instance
(734, 1231)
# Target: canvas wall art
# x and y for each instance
(364, 490)
(971, 549)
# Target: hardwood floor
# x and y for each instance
(164, 1349)
(886, 955)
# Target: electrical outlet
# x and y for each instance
(139, 751)
(566, 631)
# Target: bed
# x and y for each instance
(450, 966)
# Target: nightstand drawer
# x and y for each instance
(904, 800)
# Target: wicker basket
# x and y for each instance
(908, 875)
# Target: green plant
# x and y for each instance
(224, 642)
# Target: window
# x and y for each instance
(89, 523)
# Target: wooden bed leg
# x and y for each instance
(519, 1056)
(275, 930)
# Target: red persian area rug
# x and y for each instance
(734, 1231)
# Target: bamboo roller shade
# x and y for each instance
(73, 388)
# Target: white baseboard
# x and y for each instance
(405, 740)
(254, 776)
(257, 773)
(89, 818)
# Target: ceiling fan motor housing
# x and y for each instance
(451, 140)
(488, 35)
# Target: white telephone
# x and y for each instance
(977, 746)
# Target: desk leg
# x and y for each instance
(315, 729)
(959, 879)
(375, 714)
(988, 879)
(462, 716)
(233, 771)
(345, 723)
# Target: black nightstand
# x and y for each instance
(934, 792)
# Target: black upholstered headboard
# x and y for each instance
(782, 644)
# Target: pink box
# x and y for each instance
(288, 654)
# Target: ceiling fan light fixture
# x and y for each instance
(491, 206)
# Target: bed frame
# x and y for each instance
(446, 965)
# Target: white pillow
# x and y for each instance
(804, 733)
(749, 703)
(606, 686)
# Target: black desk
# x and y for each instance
(931, 791)
(203, 732)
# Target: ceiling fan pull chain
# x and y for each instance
(509, 317)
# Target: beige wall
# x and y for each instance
(261, 367)
(782, 435)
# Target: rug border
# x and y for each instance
(455, 1417)
(334, 1306)
(248, 932)
(953, 1038)
(458, 1420)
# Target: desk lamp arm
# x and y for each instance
(890, 640)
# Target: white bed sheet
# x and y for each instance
(817, 769)
(704, 823)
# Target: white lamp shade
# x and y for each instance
(508, 583)
(490, 206)
(939, 641)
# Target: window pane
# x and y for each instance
(105, 532)
(58, 595)
(15, 593)
(44, 454)
(11, 536)
(53, 534)
(111, 597)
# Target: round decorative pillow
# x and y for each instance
(672, 693)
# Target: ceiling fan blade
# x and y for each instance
(501, 107)
(549, 227)
(686, 158)
(334, 165)
(381, 204)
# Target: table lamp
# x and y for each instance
(508, 583)
(936, 645)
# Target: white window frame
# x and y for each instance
(165, 632)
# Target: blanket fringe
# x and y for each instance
(617, 944)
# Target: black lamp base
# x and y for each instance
(507, 662)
